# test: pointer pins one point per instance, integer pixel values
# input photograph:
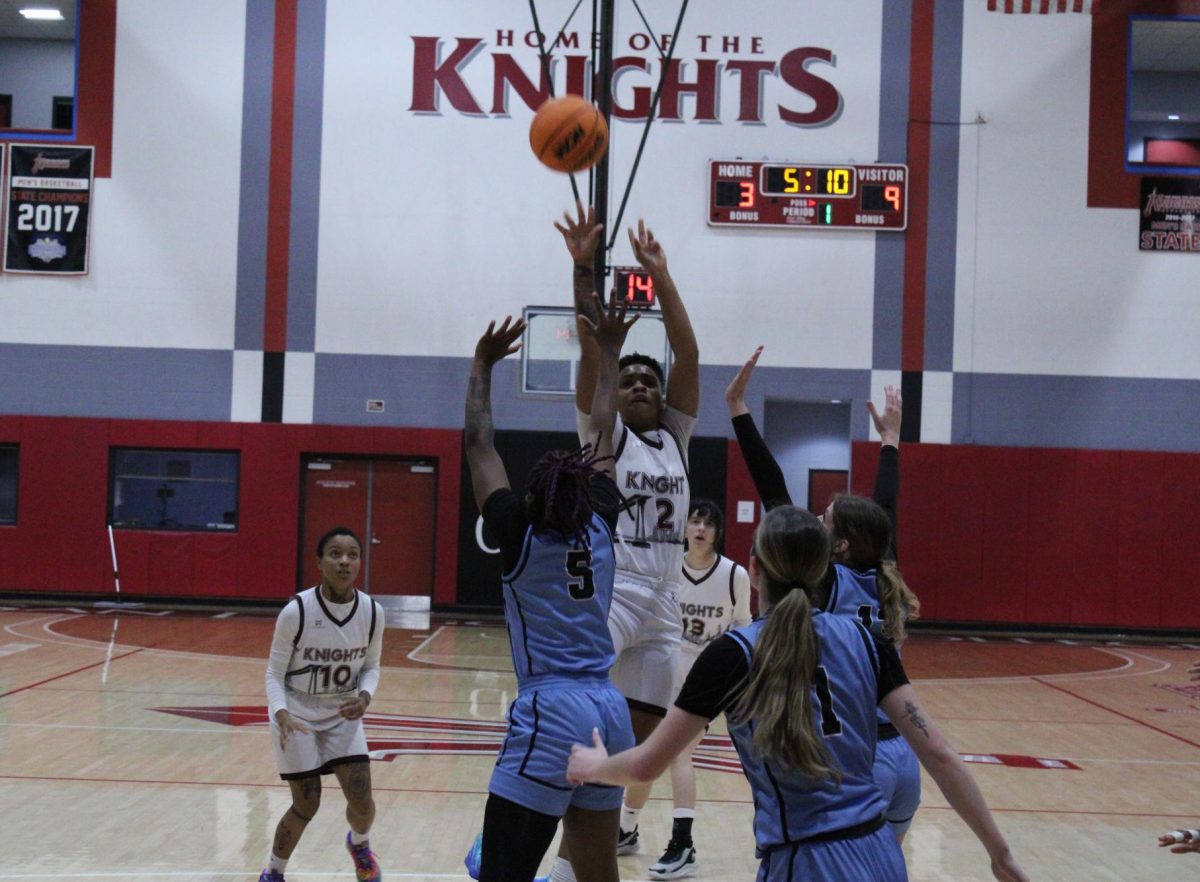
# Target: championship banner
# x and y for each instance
(49, 192)
(1170, 215)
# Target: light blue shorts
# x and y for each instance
(543, 724)
(875, 857)
(898, 775)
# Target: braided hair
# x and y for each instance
(560, 492)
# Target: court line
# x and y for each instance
(69, 673)
(208, 874)
(1117, 712)
(412, 653)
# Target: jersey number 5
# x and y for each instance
(579, 565)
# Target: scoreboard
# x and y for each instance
(806, 195)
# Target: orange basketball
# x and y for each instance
(568, 134)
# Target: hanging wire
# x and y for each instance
(616, 226)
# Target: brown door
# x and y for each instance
(390, 504)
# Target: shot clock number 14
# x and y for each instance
(806, 195)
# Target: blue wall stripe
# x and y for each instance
(888, 316)
(258, 66)
(306, 176)
(1094, 413)
(942, 234)
(116, 382)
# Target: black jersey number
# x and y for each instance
(830, 724)
(871, 617)
(579, 565)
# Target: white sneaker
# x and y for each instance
(678, 862)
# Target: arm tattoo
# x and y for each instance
(914, 717)
(585, 287)
(479, 429)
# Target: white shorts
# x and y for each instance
(688, 653)
(318, 751)
(645, 628)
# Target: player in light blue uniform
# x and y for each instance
(799, 687)
(863, 582)
(557, 545)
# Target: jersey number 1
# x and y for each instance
(579, 565)
(830, 724)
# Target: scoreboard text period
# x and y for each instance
(821, 197)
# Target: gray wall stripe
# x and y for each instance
(893, 147)
(942, 237)
(117, 383)
(258, 68)
(306, 176)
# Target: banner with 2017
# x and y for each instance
(49, 196)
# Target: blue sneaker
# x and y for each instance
(474, 857)
(366, 868)
(270, 876)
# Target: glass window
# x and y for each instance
(37, 66)
(1163, 119)
(8, 484)
(173, 490)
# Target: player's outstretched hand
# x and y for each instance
(585, 762)
(497, 343)
(610, 328)
(735, 393)
(648, 250)
(887, 424)
(1180, 841)
(581, 233)
(1005, 869)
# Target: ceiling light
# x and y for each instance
(1172, 116)
(36, 14)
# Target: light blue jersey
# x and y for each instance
(790, 807)
(556, 601)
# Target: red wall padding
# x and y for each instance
(60, 541)
(1047, 536)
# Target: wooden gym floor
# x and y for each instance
(133, 746)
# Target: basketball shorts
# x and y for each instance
(898, 775)
(543, 724)
(875, 857)
(644, 624)
(318, 751)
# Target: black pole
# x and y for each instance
(603, 98)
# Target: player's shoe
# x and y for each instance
(474, 858)
(677, 862)
(270, 876)
(366, 868)
(627, 843)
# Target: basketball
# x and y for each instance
(568, 134)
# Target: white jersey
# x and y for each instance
(711, 602)
(322, 654)
(652, 475)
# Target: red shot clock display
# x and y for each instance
(809, 196)
(633, 285)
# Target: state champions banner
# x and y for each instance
(49, 197)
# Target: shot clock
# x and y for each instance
(809, 196)
(633, 285)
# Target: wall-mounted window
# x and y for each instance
(173, 490)
(39, 50)
(8, 484)
(1162, 130)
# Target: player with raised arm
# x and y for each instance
(650, 441)
(799, 688)
(863, 581)
(557, 545)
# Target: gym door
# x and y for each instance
(390, 504)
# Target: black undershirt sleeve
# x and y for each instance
(504, 517)
(606, 499)
(764, 470)
(891, 669)
(887, 490)
(715, 680)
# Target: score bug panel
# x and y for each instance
(810, 196)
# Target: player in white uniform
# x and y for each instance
(714, 598)
(322, 672)
(651, 440)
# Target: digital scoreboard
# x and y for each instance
(819, 197)
(635, 286)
